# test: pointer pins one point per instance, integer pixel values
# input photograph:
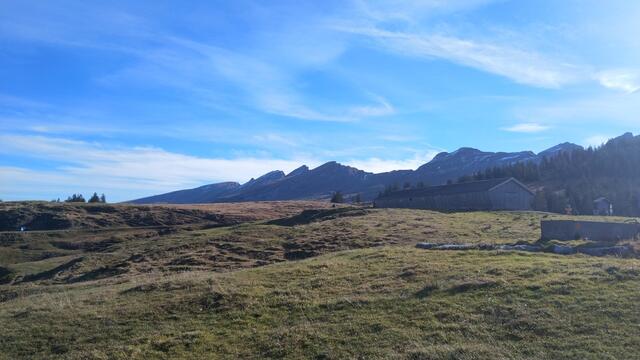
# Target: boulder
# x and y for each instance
(563, 250)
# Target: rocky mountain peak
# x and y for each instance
(266, 178)
(301, 170)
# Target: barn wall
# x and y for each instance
(511, 196)
(458, 202)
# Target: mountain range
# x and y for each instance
(322, 181)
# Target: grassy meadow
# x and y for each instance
(349, 284)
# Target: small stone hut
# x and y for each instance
(486, 195)
(602, 206)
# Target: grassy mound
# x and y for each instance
(316, 215)
(38, 216)
(41, 256)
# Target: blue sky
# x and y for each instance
(137, 98)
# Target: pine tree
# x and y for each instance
(75, 198)
(578, 177)
(94, 198)
(337, 198)
(540, 201)
(389, 189)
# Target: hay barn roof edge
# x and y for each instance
(453, 189)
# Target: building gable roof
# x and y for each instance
(515, 181)
(453, 189)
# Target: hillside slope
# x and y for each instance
(202, 194)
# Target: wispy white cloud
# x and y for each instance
(102, 26)
(526, 128)
(400, 138)
(596, 140)
(621, 79)
(619, 109)
(20, 102)
(265, 79)
(201, 69)
(128, 171)
(412, 10)
(277, 139)
(378, 165)
(405, 29)
(398, 28)
(285, 104)
(17, 183)
(520, 65)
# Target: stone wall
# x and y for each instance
(591, 230)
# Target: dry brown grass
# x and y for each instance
(257, 210)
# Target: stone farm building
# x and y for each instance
(602, 206)
(495, 194)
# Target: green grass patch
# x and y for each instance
(372, 303)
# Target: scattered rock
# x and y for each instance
(434, 246)
(408, 274)
(426, 246)
(562, 250)
(521, 247)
